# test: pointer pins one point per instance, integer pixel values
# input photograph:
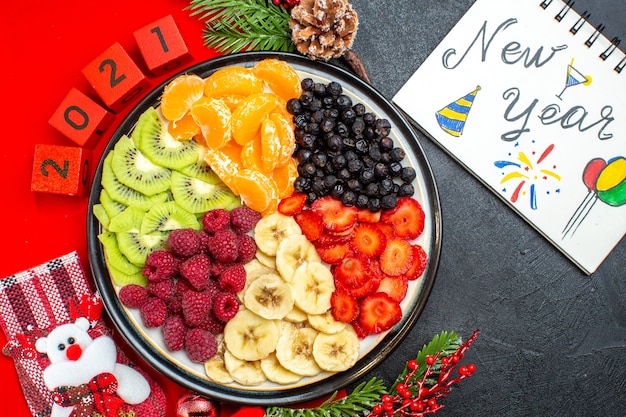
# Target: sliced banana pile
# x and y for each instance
(284, 329)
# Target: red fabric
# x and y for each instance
(45, 46)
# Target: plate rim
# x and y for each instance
(304, 392)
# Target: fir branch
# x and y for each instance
(359, 401)
(237, 25)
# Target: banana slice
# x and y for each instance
(312, 287)
(325, 323)
(296, 316)
(269, 297)
(267, 260)
(244, 372)
(292, 252)
(215, 368)
(295, 350)
(272, 229)
(250, 337)
(336, 352)
(254, 269)
(277, 373)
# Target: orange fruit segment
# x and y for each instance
(257, 190)
(183, 129)
(284, 176)
(224, 166)
(232, 80)
(213, 117)
(281, 77)
(179, 95)
(249, 114)
(270, 145)
(286, 137)
(233, 100)
(251, 154)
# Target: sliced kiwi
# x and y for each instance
(121, 278)
(168, 216)
(197, 196)
(158, 145)
(111, 206)
(134, 170)
(113, 255)
(123, 194)
(127, 221)
(201, 169)
(100, 213)
(133, 244)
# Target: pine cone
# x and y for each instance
(323, 29)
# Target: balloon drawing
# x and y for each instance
(606, 182)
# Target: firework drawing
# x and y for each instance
(529, 175)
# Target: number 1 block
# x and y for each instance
(61, 170)
(80, 118)
(162, 46)
(116, 78)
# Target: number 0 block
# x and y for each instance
(80, 118)
(115, 77)
(61, 170)
(162, 46)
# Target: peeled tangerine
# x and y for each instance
(281, 77)
(249, 114)
(256, 190)
(234, 80)
(180, 94)
(214, 119)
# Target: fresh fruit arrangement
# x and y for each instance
(265, 223)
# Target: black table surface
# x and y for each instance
(552, 339)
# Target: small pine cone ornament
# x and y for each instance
(323, 29)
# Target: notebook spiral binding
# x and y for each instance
(593, 37)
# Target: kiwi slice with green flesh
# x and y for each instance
(197, 196)
(113, 255)
(101, 214)
(136, 246)
(121, 278)
(111, 206)
(200, 169)
(134, 170)
(158, 145)
(123, 194)
(168, 216)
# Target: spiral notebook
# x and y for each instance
(531, 99)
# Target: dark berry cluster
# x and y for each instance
(345, 151)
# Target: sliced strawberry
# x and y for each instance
(397, 257)
(327, 239)
(359, 330)
(292, 205)
(366, 289)
(310, 223)
(394, 287)
(351, 272)
(366, 216)
(336, 217)
(343, 306)
(407, 218)
(333, 254)
(378, 312)
(387, 229)
(369, 240)
(420, 261)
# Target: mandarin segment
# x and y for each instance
(284, 176)
(224, 166)
(270, 145)
(214, 118)
(232, 80)
(247, 117)
(281, 77)
(180, 94)
(251, 157)
(257, 190)
(286, 137)
(184, 128)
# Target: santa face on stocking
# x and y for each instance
(84, 373)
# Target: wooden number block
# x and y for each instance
(162, 46)
(80, 118)
(115, 77)
(61, 170)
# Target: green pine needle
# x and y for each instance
(237, 25)
(360, 401)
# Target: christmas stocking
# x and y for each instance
(66, 360)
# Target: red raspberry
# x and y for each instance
(183, 242)
(204, 241)
(133, 295)
(224, 246)
(160, 265)
(182, 286)
(243, 219)
(175, 304)
(247, 249)
(215, 220)
(217, 268)
(232, 279)
(174, 331)
(225, 306)
(200, 345)
(212, 324)
(212, 289)
(161, 289)
(195, 306)
(196, 270)
(153, 312)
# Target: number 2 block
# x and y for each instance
(115, 77)
(80, 118)
(61, 170)
(162, 46)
